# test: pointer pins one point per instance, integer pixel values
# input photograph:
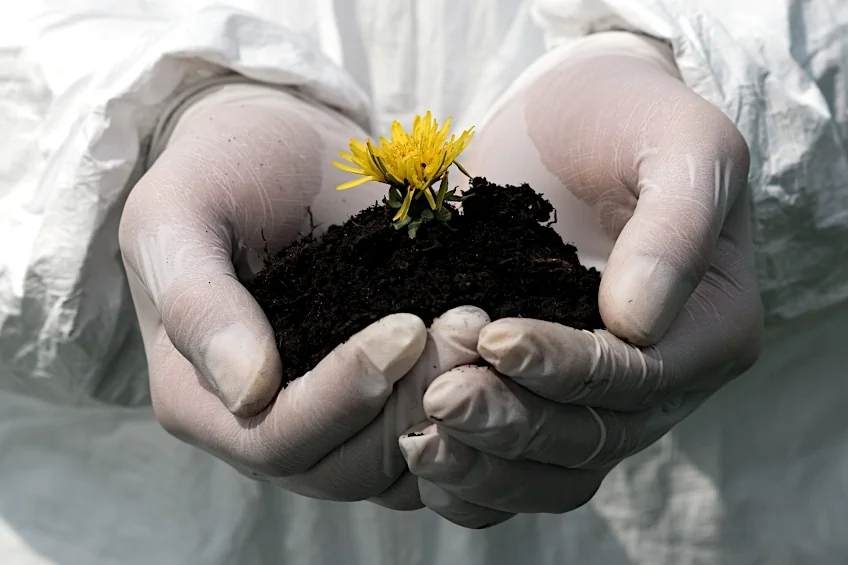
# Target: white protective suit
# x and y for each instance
(87, 476)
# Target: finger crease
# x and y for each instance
(601, 441)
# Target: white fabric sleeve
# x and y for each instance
(86, 93)
(779, 70)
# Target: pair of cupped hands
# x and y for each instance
(649, 181)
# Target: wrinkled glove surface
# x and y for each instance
(240, 172)
(650, 183)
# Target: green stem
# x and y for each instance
(443, 190)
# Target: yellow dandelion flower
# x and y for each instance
(409, 162)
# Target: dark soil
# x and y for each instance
(503, 257)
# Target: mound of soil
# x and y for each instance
(502, 256)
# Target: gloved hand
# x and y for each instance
(238, 173)
(649, 181)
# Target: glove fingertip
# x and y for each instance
(450, 399)
(244, 370)
(469, 318)
(394, 344)
(640, 299)
(415, 442)
(504, 345)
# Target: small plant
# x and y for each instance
(501, 254)
(411, 165)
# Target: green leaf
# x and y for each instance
(394, 204)
(402, 223)
(427, 215)
(452, 197)
(444, 215)
(461, 169)
(413, 228)
(443, 190)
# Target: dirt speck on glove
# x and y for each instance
(502, 257)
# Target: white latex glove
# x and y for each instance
(240, 169)
(650, 184)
